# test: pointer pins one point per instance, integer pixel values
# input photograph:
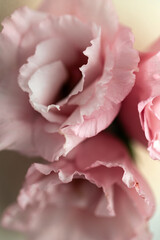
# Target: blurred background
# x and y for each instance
(143, 17)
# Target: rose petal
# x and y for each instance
(101, 12)
(124, 59)
(48, 141)
(78, 225)
(46, 81)
(49, 191)
(16, 132)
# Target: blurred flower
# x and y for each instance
(96, 194)
(64, 73)
(143, 104)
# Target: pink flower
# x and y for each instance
(96, 194)
(149, 81)
(64, 73)
(145, 101)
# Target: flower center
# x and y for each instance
(80, 194)
(74, 76)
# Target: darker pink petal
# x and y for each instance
(96, 191)
(145, 98)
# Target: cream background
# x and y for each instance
(143, 16)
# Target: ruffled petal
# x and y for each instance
(99, 103)
(121, 63)
(146, 98)
(54, 48)
(98, 182)
(16, 114)
(148, 80)
(51, 222)
(101, 12)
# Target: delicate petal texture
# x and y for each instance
(93, 195)
(64, 72)
(101, 12)
(15, 111)
(145, 98)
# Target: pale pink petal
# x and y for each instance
(146, 98)
(101, 12)
(20, 31)
(94, 123)
(149, 117)
(145, 234)
(100, 102)
(52, 50)
(124, 61)
(64, 39)
(98, 183)
(94, 67)
(46, 81)
(16, 114)
(150, 76)
(48, 141)
(149, 101)
(73, 224)
(90, 71)
(104, 155)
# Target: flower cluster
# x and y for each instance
(66, 72)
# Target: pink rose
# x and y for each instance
(144, 101)
(148, 107)
(96, 194)
(64, 73)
